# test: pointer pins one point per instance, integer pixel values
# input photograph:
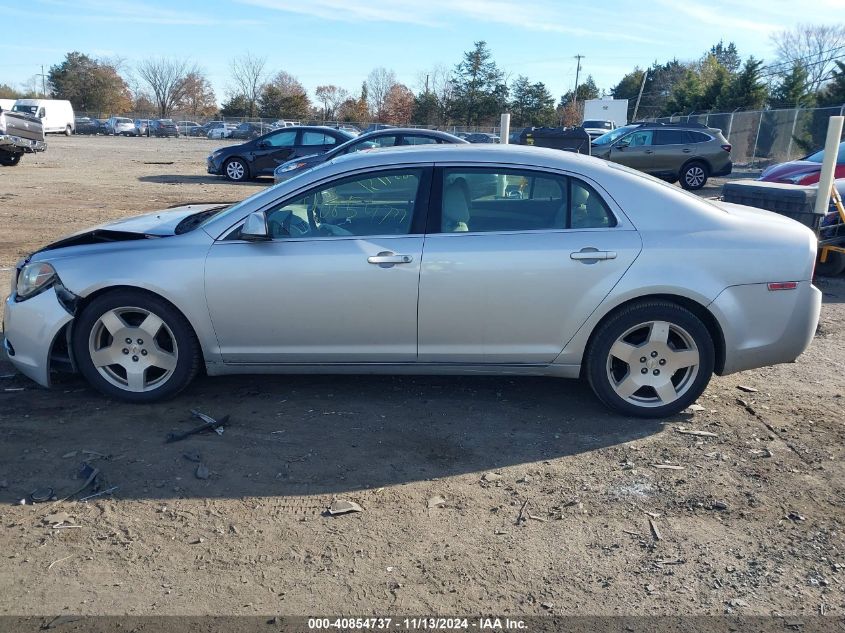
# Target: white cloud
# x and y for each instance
(449, 13)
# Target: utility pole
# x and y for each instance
(577, 72)
(43, 82)
(639, 96)
(426, 84)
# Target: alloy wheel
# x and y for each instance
(653, 364)
(133, 349)
(235, 170)
(694, 177)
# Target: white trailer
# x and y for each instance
(603, 115)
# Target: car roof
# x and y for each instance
(407, 131)
(467, 153)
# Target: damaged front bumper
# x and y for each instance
(17, 144)
(32, 329)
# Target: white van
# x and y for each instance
(55, 115)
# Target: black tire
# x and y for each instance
(188, 358)
(599, 362)
(693, 175)
(833, 266)
(68, 130)
(7, 159)
(236, 170)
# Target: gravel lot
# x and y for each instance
(750, 521)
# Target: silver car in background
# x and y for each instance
(397, 261)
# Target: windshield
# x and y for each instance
(818, 157)
(604, 139)
(607, 125)
(25, 108)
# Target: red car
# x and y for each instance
(804, 171)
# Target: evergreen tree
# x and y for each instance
(792, 91)
(478, 91)
(746, 90)
(727, 56)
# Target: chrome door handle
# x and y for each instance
(594, 255)
(687, 151)
(389, 258)
(649, 151)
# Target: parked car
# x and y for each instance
(120, 126)
(482, 137)
(86, 125)
(689, 152)
(103, 126)
(163, 127)
(142, 127)
(626, 278)
(219, 129)
(371, 140)
(248, 130)
(804, 171)
(596, 128)
(261, 156)
(20, 133)
(186, 128)
(56, 114)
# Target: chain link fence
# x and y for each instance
(762, 137)
(186, 123)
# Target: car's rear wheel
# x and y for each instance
(135, 346)
(236, 169)
(833, 265)
(651, 359)
(693, 175)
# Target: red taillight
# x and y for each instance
(782, 285)
(727, 148)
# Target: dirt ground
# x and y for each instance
(549, 504)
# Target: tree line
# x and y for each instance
(807, 72)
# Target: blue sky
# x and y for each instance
(340, 41)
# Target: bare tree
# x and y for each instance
(379, 82)
(287, 84)
(331, 97)
(249, 76)
(166, 80)
(813, 46)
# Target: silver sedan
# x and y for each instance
(450, 259)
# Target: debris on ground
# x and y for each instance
(56, 518)
(40, 495)
(695, 407)
(108, 491)
(521, 517)
(794, 516)
(668, 467)
(491, 477)
(344, 506)
(746, 389)
(192, 456)
(684, 431)
(436, 502)
(209, 423)
(654, 530)
(202, 472)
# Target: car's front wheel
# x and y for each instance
(236, 169)
(651, 359)
(68, 130)
(693, 175)
(135, 346)
(7, 159)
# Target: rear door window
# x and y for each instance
(669, 137)
(495, 200)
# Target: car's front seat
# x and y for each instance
(455, 208)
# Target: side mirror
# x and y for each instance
(622, 144)
(262, 145)
(255, 227)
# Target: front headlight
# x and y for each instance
(35, 277)
(286, 168)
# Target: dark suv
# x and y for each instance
(689, 152)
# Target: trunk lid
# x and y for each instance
(21, 124)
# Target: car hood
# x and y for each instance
(155, 224)
(792, 168)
